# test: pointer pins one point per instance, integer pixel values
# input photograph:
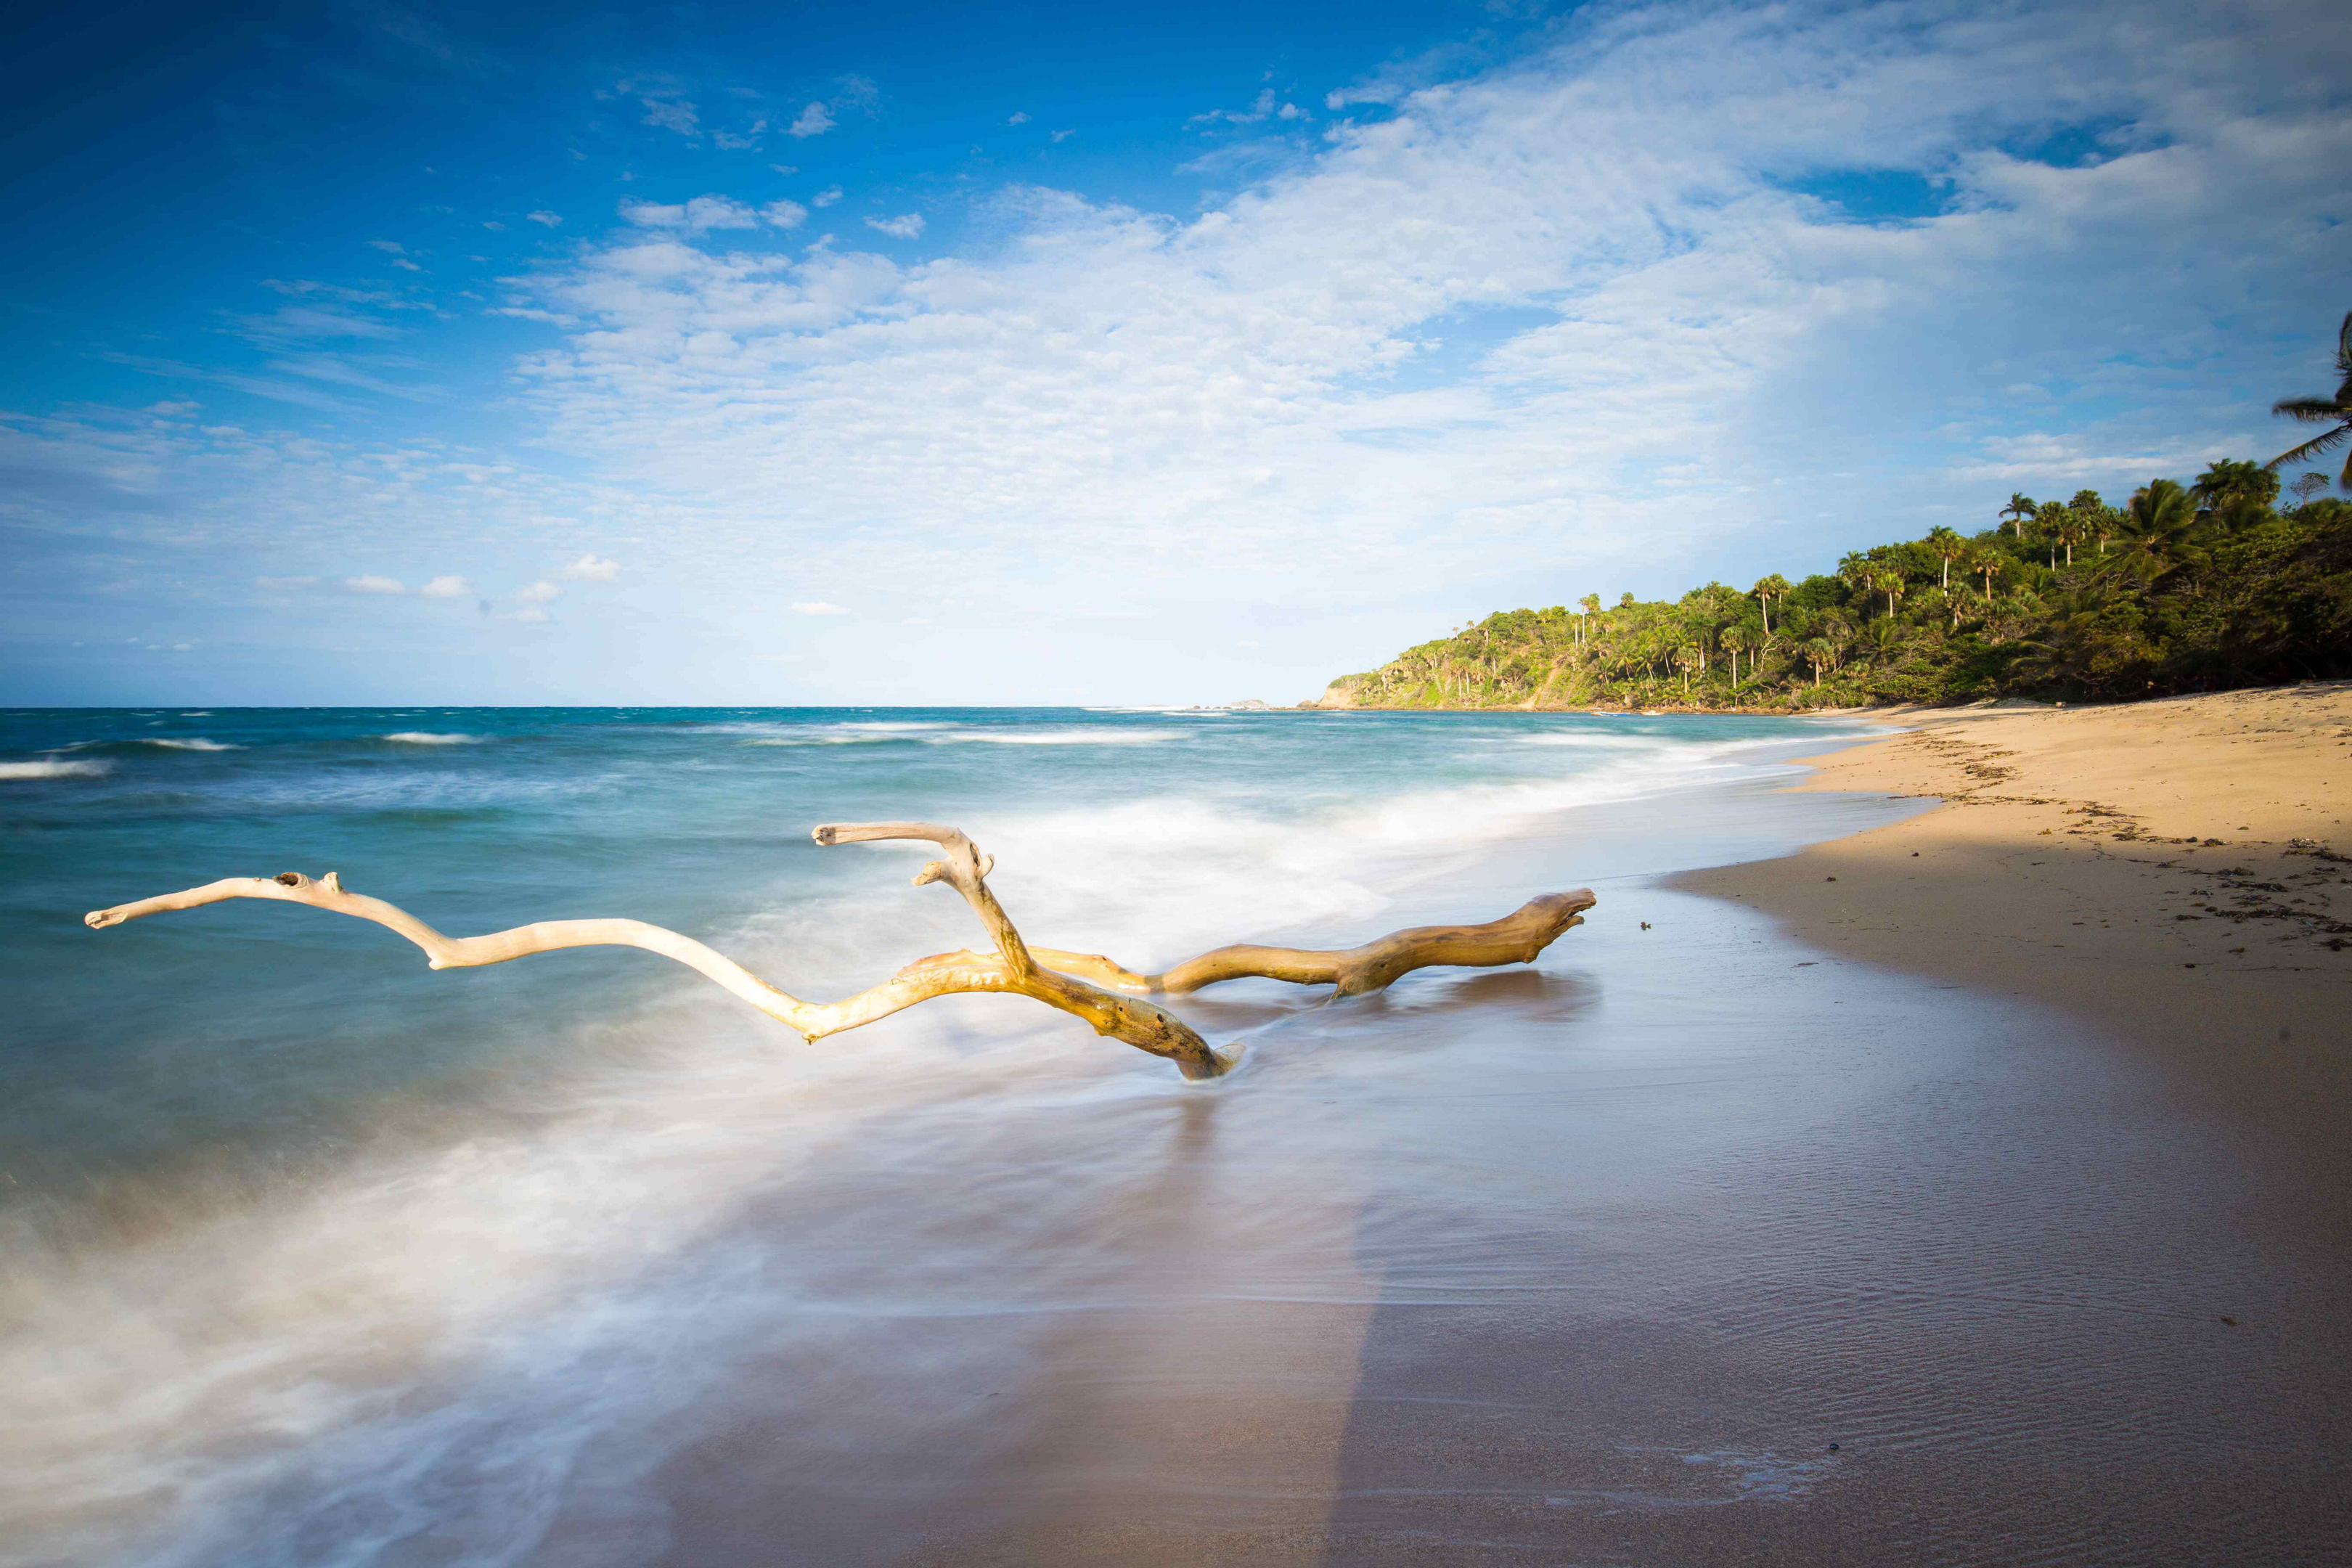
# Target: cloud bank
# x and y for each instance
(1684, 287)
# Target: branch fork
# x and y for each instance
(1088, 986)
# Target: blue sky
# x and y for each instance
(364, 352)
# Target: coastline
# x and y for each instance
(2173, 873)
(1692, 1243)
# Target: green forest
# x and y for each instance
(2223, 581)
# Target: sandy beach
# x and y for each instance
(2179, 869)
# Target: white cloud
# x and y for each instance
(1020, 117)
(1265, 107)
(672, 115)
(389, 246)
(372, 584)
(814, 121)
(906, 225)
(1064, 136)
(1588, 311)
(1616, 313)
(825, 197)
(592, 568)
(405, 265)
(303, 321)
(719, 211)
(700, 214)
(539, 593)
(449, 587)
(817, 607)
(732, 142)
(532, 615)
(285, 584)
(550, 219)
(784, 213)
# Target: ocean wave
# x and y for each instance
(946, 734)
(847, 732)
(193, 743)
(51, 769)
(1096, 735)
(1586, 742)
(428, 738)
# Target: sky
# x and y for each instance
(362, 353)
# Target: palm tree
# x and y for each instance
(1886, 639)
(2055, 519)
(1889, 582)
(1767, 589)
(2334, 411)
(2159, 532)
(1988, 564)
(1684, 655)
(1947, 546)
(1943, 602)
(2019, 508)
(1818, 653)
(2231, 479)
(2073, 526)
(1734, 641)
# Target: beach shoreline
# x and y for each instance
(2171, 873)
(2202, 835)
(1715, 1236)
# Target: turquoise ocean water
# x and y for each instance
(250, 1032)
(279, 1201)
(311, 1255)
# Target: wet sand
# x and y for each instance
(2179, 871)
(1965, 1208)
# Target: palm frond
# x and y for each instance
(2324, 441)
(2312, 410)
(2344, 347)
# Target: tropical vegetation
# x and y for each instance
(2218, 581)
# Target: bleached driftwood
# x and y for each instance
(1049, 975)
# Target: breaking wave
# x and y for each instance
(51, 769)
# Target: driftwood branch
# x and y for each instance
(1087, 985)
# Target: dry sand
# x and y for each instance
(2179, 868)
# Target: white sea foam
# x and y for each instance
(51, 769)
(428, 738)
(1584, 741)
(943, 734)
(1090, 736)
(776, 732)
(193, 743)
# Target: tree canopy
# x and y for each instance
(2187, 587)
